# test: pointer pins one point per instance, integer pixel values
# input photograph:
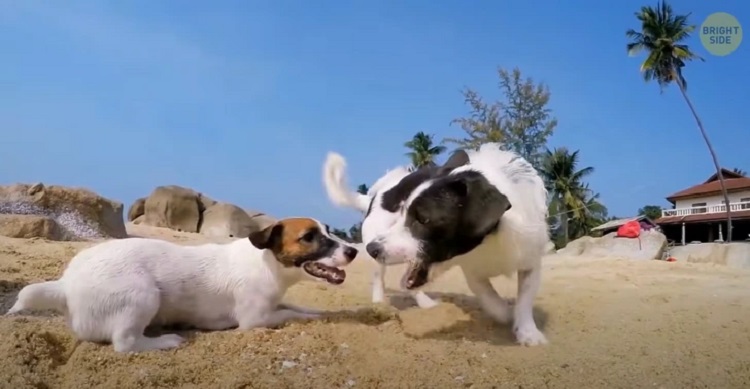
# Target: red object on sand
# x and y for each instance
(671, 259)
(631, 229)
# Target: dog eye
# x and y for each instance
(308, 237)
(421, 219)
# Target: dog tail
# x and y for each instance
(334, 180)
(41, 296)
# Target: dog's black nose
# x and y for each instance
(374, 249)
(350, 253)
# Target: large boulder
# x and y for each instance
(79, 213)
(137, 209)
(651, 245)
(31, 226)
(226, 220)
(735, 254)
(175, 207)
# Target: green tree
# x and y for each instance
(355, 233)
(568, 191)
(423, 152)
(739, 171)
(594, 214)
(521, 122)
(340, 233)
(652, 212)
(662, 36)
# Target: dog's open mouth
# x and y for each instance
(329, 273)
(415, 276)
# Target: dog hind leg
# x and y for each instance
(491, 302)
(524, 326)
(132, 309)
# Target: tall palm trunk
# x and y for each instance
(710, 150)
(564, 221)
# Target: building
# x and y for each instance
(699, 214)
(613, 225)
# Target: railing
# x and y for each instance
(733, 207)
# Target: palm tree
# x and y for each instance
(662, 37)
(423, 152)
(564, 182)
(594, 214)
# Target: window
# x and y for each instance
(698, 208)
(745, 203)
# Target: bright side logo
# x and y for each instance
(721, 33)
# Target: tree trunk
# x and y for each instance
(564, 220)
(713, 155)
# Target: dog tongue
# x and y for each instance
(331, 274)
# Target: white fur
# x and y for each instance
(112, 291)
(517, 247)
(377, 222)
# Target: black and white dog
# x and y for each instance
(382, 205)
(488, 217)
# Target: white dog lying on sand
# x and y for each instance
(112, 291)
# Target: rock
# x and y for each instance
(735, 255)
(79, 213)
(138, 220)
(137, 209)
(651, 246)
(173, 207)
(261, 220)
(227, 220)
(31, 226)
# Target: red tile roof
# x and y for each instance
(733, 182)
(703, 217)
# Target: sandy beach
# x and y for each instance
(611, 324)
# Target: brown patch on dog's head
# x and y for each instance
(295, 241)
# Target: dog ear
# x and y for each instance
(267, 237)
(489, 208)
(459, 187)
(457, 159)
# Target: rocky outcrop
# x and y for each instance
(31, 226)
(175, 207)
(736, 254)
(137, 209)
(184, 209)
(59, 213)
(651, 245)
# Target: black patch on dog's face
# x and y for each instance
(451, 218)
(394, 197)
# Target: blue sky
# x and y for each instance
(243, 99)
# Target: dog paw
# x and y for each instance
(427, 303)
(169, 341)
(530, 336)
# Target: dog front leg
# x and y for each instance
(492, 304)
(524, 326)
(309, 311)
(273, 319)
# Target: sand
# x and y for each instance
(611, 324)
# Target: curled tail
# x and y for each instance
(334, 180)
(41, 296)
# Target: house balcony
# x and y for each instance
(733, 207)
